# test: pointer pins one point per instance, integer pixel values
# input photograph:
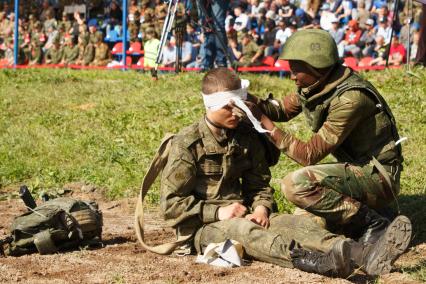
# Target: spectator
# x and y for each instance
(397, 52)
(254, 9)
(86, 51)
(367, 38)
(384, 29)
(55, 53)
(66, 23)
(251, 54)
(361, 14)
(169, 53)
(52, 36)
(50, 21)
(414, 46)
(327, 17)
(345, 11)
(36, 53)
(242, 20)
(151, 44)
(380, 52)
(102, 53)
(286, 10)
(336, 31)
(47, 12)
(349, 44)
(283, 33)
(70, 51)
(269, 39)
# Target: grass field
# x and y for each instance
(102, 127)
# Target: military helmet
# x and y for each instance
(313, 46)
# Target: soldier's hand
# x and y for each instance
(231, 211)
(259, 216)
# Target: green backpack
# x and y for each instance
(58, 224)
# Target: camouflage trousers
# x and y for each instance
(335, 191)
(269, 245)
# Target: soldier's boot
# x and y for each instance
(335, 263)
(371, 224)
(377, 259)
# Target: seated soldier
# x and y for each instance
(102, 53)
(215, 186)
(251, 54)
(55, 53)
(71, 51)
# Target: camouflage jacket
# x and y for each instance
(203, 173)
(350, 125)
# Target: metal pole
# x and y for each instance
(16, 35)
(394, 18)
(124, 35)
(410, 15)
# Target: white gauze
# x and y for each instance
(218, 100)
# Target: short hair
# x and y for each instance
(219, 80)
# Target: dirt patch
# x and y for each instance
(122, 260)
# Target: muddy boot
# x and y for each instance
(335, 263)
(377, 259)
(371, 224)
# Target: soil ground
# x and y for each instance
(122, 260)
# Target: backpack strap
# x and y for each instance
(157, 165)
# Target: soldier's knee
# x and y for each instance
(296, 185)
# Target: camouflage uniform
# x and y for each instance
(102, 53)
(352, 122)
(70, 54)
(54, 54)
(249, 51)
(204, 173)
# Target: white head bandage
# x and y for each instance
(216, 101)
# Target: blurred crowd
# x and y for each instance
(53, 32)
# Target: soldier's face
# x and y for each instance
(301, 75)
(224, 117)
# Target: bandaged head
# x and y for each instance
(218, 100)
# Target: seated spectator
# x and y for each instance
(70, 51)
(47, 12)
(367, 38)
(253, 10)
(150, 44)
(287, 10)
(283, 33)
(66, 23)
(269, 39)
(86, 51)
(251, 54)
(344, 12)
(379, 52)
(114, 18)
(242, 20)
(55, 53)
(349, 44)
(193, 37)
(188, 56)
(361, 14)
(414, 46)
(397, 52)
(36, 53)
(336, 31)
(50, 21)
(102, 52)
(384, 29)
(327, 17)
(52, 36)
(169, 53)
